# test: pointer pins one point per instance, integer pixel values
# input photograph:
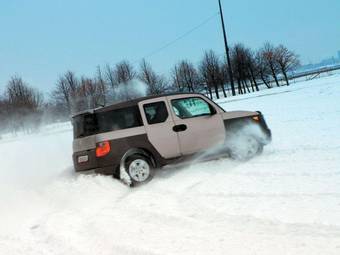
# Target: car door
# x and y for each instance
(198, 123)
(159, 124)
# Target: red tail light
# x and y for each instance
(102, 149)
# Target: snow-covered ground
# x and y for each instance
(286, 201)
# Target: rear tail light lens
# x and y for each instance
(102, 149)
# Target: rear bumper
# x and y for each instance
(103, 165)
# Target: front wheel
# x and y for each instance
(140, 169)
(245, 148)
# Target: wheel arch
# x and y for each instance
(133, 151)
(138, 151)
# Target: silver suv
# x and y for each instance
(129, 140)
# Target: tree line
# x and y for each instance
(23, 107)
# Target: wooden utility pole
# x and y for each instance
(230, 72)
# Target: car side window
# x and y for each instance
(156, 112)
(191, 107)
(118, 119)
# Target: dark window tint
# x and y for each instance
(156, 112)
(119, 119)
(90, 124)
(191, 107)
(84, 125)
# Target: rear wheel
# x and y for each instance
(140, 169)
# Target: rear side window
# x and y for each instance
(156, 112)
(119, 119)
(91, 124)
(191, 107)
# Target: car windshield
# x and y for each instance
(91, 124)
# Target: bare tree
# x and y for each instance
(186, 75)
(123, 73)
(225, 73)
(90, 94)
(71, 80)
(109, 76)
(3, 106)
(61, 95)
(102, 87)
(240, 65)
(210, 71)
(176, 83)
(4, 123)
(24, 105)
(262, 69)
(268, 53)
(287, 60)
(157, 84)
(251, 68)
(65, 92)
(116, 78)
(20, 95)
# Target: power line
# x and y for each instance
(167, 45)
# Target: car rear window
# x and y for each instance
(84, 125)
(102, 122)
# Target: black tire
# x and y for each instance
(140, 169)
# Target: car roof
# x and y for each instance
(129, 103)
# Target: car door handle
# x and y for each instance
(180, 128)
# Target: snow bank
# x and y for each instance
(285, 201)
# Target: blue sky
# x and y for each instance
(41, 39)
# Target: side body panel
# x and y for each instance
(120, 143)
(202, 132)
(161, 135)
(87, 143)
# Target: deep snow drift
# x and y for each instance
(286, 201)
